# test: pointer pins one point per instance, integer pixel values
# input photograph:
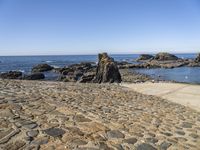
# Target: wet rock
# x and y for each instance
(34, 76)
(145, 57)
(54, 132)
(11, 75)
(180, 132)
(32, 133)
(26, 124)
(42, 68)
(145, 146)
(165, 57)
(115, 134)
(130, 140)
(165, 145)
(107, 70)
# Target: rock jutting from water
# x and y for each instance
(107, 70)
(11, 75)
(42, 68)
(145, 57)
(197, 59)
(165, 57)
(34, 76)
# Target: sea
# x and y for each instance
(25, 63)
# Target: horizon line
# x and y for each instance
(153, 53)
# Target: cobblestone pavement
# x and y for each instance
(55, 115)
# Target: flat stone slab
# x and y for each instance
(54, 132)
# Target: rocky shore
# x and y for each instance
(107, 69)
(82, 114)
(58, 115)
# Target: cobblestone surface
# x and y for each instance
(55, 115)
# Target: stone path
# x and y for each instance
(185, 94)
(53, 115)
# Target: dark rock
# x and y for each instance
(115, 134)
(34, 76)
(165, 145)
(197, 59)
(42, 68)
(180, 132)
(87, 77)
(107, 70)
(145, 146)
(32, 133)
(165, 57)
(11, 75)
(130, 141)
(30, 125)
(145, 57)
(54, 132)
(76, 72)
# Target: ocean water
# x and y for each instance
(25, 63)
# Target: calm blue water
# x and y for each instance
(25, 63)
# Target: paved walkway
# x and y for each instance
(185, 94)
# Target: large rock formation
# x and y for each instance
(42, 68)
(107, 70)
(11, 75)
(145, 57)
(34, 76)
(197, 58)
(165, 57)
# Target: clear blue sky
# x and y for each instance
(29, 27)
